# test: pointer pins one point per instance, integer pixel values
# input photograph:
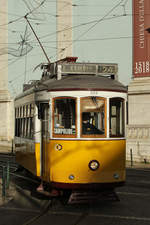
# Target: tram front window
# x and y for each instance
(64, 116)
(93, 116)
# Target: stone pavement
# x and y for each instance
(10, 193)
(133, 207)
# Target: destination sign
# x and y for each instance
(85, 68)
(79, 68)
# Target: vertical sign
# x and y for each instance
(141, 38)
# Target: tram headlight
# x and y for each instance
(94, 165)
(116, 176)
(71, 177)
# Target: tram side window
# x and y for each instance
(116, 117)
(64, 116)
(23, 124)
(93, 116)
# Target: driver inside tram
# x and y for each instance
(87, 126)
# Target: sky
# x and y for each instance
(102, 33)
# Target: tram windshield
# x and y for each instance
(64, 116)
(117, 122)
(93, 116)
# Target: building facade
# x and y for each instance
(6, 103)
(138, 128)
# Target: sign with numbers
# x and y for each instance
(141, 38)
(90, 68)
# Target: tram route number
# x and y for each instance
(107, 69)
(142, 67)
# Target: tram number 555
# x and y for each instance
(94, 92)
(142, 67)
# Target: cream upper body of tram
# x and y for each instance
(71, 132)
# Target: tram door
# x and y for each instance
(44, 117)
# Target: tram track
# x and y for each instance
(133, 194)
(42, 213)
(132, 218)
(101, 215)
(83, 215)
(80, 216)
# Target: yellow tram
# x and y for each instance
(70, 126)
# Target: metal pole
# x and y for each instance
(131, 156)
(12, 147)
(8, 175)
(3, 182)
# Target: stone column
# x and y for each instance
(6, 104)
(64, 28)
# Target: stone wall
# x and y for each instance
(138, 128)
(138, 142)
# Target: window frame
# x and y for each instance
(123, 117)
(24, 121)
(105, 119)
(53, 116)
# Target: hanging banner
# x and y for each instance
(141, 38)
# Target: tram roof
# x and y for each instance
(85, 82)
(76, 83)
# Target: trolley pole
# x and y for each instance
(37, 39)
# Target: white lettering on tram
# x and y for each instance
(62, 131)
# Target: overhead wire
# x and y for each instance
(8, 13)
(12, 21)
(31, 11)
(80, 25)
(20, 75)
(14, 61)
(83, 24)
(16, 20)
(34, 13)
(95, 24)
(22, 17)
(90, 39)
(101, 19)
